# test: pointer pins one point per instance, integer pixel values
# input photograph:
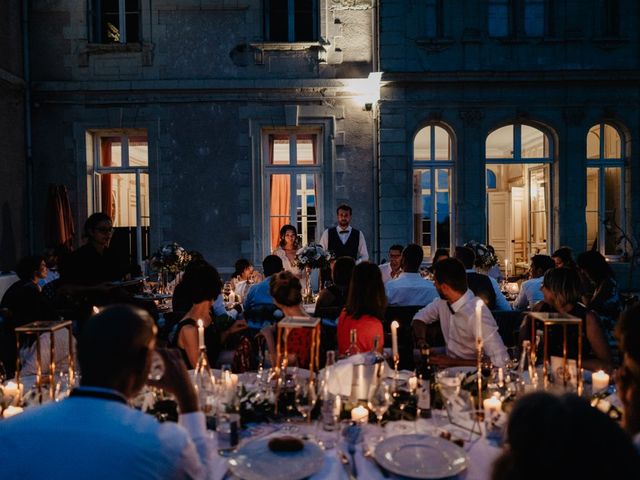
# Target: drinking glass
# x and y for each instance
(156, 370)
(379, 400)
(449, 384)
(305, 398)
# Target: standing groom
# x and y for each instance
(344, 240)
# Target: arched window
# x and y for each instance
(605, 188)
(518, 158)
(432, 188)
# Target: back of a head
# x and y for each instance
(204, 283)
(552, 437)
(628, 332)
(452, 272)
(342, 271)
(412, 257)
(440, 254)
(596, 266)
(542, 263)
(564, 283)
(285, 288)
(240, 266)
(565, 254)
(271, 264)
(27, 266)
(114, 343)
(466, 255)
(366, 292)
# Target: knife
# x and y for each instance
(346, 464)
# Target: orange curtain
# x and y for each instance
(105, 181)
(59, 227)
(280, 206)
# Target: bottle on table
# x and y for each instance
(353, 343)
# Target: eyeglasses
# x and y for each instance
(105, 230)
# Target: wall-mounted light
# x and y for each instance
(368, 90)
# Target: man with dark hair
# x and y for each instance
(344, 240)
(393, 268)
(530, 290)
(480, 284)
(456, 310)
(628, 377)
(258, 304)
(410, 288)
(108, 438)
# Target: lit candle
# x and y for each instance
(394, 338)
(12, 389)
(413, 383)
(200, 334)
(479, 305)
(337, 406)
(10, 411)
(500, 377)
(95, 310)
(492, 405)
(360, 414)
(599, 381)
(506, 266)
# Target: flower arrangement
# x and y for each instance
(171, 257)
(313, 256)
(485, 255)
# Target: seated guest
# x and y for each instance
(24, 298)
(605, 300)
(558, 437)
(628, 376)
(561, 290)
(364, 310)
(456, 310)
(563, 257)
(204, 286)
(481, 285)
(242, 277)
(108, 438)
(331, 300)
(258, 304)
(392, 268)
(531, 290)
(410, 288)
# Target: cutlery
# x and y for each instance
(352, 452)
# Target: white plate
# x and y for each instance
(254, 461)
(421, 456)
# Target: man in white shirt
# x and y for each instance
(530, 290)
(344, 240)
(410, 288)
(456, 310)
(392, 269)
(94, 433)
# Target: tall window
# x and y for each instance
(121, 187)
(517, 18)
(433, 164)
(605, 188)
(115, 21)
(518, 159)
(435, 18)
(293, 180)
(611, 17)
(291, 20)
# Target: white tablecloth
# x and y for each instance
(481, 453)
(6, 281)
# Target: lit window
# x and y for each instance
(605, 189)
(432, 189)
(115, 21)
(121, 187)
(293, 178)
(291, 20)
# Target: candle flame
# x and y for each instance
(200, 323)
(395, 324)
(95, 309)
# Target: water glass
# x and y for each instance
(156, 369)
(227, 432)
(305, 398)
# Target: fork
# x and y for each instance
(351, 448)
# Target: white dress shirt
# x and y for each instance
(458, 324)
(363, 253)
(530, 294)
(501, 301)
(410, 289)
(385, 270)
(96, 438)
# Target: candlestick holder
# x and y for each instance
(39, 328)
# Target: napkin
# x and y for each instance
(340, 375)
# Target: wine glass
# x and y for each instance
(379, 400)
(305, 398)
(449, 385)
(156, 369)
(400, 396)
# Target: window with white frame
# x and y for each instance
(433, 165)
(293, 184)
(115, 21)
(120, 162)
(605, 189)
(291, 20)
